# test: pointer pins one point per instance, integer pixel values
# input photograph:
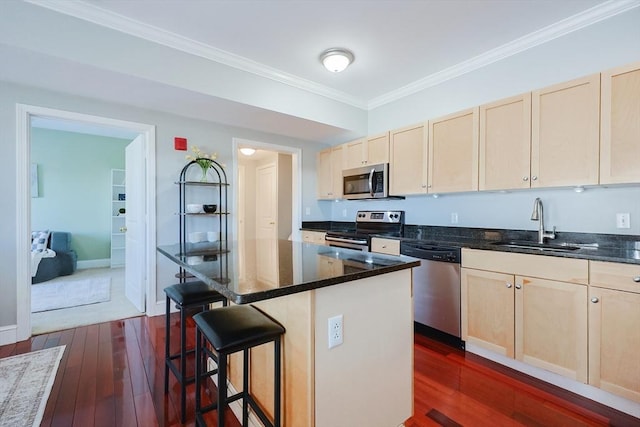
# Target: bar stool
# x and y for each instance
(229, 330)
(186, 296)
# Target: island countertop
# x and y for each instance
(254, 270)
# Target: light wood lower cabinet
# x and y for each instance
(385, 246)
(537, 320)
(315, 237)
(614, 328)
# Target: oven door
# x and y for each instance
(341, 242)
(370, 182)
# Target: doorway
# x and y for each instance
(25, 114)
(267, 203)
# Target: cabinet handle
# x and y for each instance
(429, 186)
(534, 178)
(384, 246)
(424, 186)
(518, 286)
(509, 285)
(525, 178)
(636, 279)
(595, 300)
(271, 223)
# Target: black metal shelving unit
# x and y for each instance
(216, 252)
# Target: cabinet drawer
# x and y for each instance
(385, 246)
(315, 237)
(540, 266)
(613, 275)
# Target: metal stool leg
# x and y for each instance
(222, 387)
(183, 364)
(276, 391)
(245, 388)
(167, 347)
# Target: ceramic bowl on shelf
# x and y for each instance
(197, 236)
(209, 208)
(212, 236)
(193, 208)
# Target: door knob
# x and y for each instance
(123, 229)
(271, 223)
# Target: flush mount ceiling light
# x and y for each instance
(336, 59)
(247, 151)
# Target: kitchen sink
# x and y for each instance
(543, 247)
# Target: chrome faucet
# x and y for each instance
(538, 215)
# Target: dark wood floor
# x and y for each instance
(112, 374)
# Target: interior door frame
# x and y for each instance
(296, 167)
(23, 202)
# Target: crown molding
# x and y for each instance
(573, 23)
(117, 22)
(96, 15)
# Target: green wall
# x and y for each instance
(74, 176)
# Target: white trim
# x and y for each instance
(558, 29)
(94, 263)
(8, 334)
(114, 21)
(296, 168)
(23, 203)
(585, 390)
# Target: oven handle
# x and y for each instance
(339, 240)
(371, 181)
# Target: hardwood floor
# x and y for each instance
(112, 374)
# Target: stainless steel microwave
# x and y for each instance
(368, 182)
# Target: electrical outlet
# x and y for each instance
(344, 212)
(454, 217)
(623, 220)
(335, 331)
(307, 211)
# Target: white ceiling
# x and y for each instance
(400, 46)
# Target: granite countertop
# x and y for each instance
(593, 246)
(290, 267)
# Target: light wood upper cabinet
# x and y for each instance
(551, 326)
(565, 133)
(614, 328)
(408, 161)
(453, 152)
(372, 150)
(354, 153)
(620, 125)
(505, 144)
(330, 163)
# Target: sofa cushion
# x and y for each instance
(39, 240)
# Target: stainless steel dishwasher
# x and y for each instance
(436, 286)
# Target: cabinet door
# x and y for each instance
(377, 149)
(620, 127)
(355, 153)
(324, 184)
(565, 133)
(551, 326)
(505, 144)
(337, 165)
(488, 310)
(408, 160)
(614, 341)
(453, 152)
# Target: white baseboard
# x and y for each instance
(585, 390)
(8, 334)
(94, 263)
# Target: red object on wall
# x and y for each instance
(180, 143)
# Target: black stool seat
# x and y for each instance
(186, 296)
(193, 293)
(230, 329)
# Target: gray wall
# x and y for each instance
(210, 136)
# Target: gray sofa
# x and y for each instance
(63, 264)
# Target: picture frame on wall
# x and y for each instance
(35, 190)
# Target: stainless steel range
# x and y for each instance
(368, 223)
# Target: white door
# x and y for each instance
(135, 280)
(266, 218)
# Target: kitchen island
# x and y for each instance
(366, 380)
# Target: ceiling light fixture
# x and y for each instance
(247, 151)
(336, 59)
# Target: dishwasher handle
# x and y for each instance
(432, 253)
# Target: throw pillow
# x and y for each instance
(39, 240)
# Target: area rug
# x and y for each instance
(62, 294)
(25, 384)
